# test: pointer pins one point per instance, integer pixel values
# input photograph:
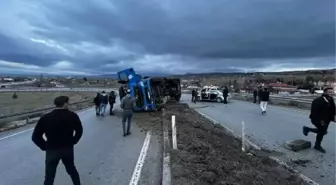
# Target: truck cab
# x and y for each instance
(140, 89)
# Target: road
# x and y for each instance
(103, 156)
(273, 130)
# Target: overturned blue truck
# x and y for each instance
(151, 93)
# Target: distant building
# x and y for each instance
(281, 87)
(8, 79)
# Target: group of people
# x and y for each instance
(101, 100)
(63, 129)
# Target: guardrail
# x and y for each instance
(293, 102)
(37, 111)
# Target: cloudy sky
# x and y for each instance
(83, 37)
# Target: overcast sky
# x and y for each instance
(172, 36)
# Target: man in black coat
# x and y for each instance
(321, 114)
(264, 98)
(255, 94)
(225, 95)
(62, 129)
(111, 99)
(193, 96)
(97, 104)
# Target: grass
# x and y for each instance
(33, 100)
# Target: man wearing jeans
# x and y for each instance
(63, 129)
(127, 104)
(322, 113)
(103, 103)
(264, 97)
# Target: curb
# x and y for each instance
(256, 147)
(166, 170)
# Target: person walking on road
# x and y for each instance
(321, 114)
(225, 95)
(128, 105)
(112, 99)
(264, 98)
(58, 127)
(103, 99)
(255, 94)
(97, 104)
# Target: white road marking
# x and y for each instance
(24, 131)
(17, 133)
(138, 167)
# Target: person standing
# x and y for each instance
(193, 94)
(121, 92)
(264, 98)
(97, 104)
(58, 127)
(225, 95)
(321, 114)
(112, 99)
(103, 99)
(196, 96)
(128, 105)
(255, 94)
(259, 94)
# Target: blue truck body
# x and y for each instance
(140, 88)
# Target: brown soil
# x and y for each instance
(27, 101)
(208, 155)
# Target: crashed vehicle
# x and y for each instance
(150, 93)
(211, 94)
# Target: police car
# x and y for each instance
(211, 94)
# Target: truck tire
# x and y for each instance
(219, 100)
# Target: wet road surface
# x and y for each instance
(103, 156)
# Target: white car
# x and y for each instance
(209, 94)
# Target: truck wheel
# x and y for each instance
(219, 100)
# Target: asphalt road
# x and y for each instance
(103, 156)
(273, 130)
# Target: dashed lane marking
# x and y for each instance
(138, 167)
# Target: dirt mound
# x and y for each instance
(207, 154)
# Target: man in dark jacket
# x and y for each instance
(255, 94)
(103, 99)
(128, 105)
(225, 95)
(97, 103)
(58, 127)
(264, 98)
(193, 95)
(112, 99)
(321, 114)
(260, 89)
(121, 92)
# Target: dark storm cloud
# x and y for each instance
(174, 36)
(219, 29)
